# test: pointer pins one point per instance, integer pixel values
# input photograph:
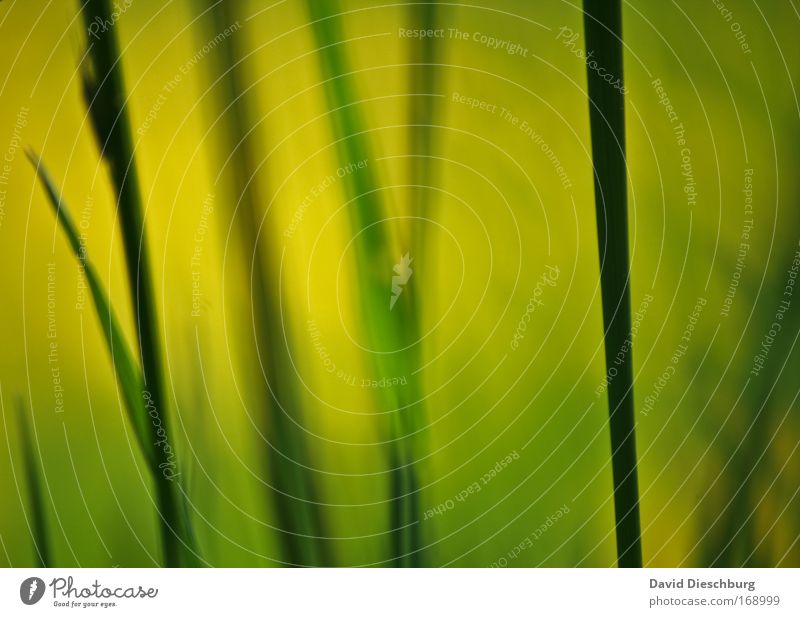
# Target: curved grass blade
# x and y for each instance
(105, 97)
(374, 261)
(603, 27)
(125, 366)
(41, 540)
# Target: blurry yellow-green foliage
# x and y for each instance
(717, 444)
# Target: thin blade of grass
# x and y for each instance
(374, 261)
(41, 541)
(603, 27)
(295, 494)
(125, 365)
(105, 97)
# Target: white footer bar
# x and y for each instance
(380, 592)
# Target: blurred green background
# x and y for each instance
(719, 467)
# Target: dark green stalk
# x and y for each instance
(295, 496)
(603, 25)
(384, 330)
(41, 541)
(105, 94)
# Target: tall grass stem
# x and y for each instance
(603, 27)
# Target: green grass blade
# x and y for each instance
(41, 542)
(374, 261)
(603, 26)
(423, 75)
(347, 125)
(295, 496)
(423, 72)
(125, 365)
(105, 97)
